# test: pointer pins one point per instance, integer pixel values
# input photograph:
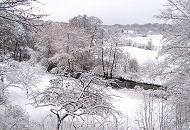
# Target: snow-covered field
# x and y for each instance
(143, 55)
(157, 40)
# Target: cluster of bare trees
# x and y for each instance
(16, 18)
(176, 68)
(83, 44)
(69, 45)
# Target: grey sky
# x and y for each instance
(109, 11)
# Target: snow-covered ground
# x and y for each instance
(128, 102)
(18, 97)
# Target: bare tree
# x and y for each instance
(17, 18)
(19, 11)
(76, 98)
(176, 49)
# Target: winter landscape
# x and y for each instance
(83, 72)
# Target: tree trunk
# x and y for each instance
(103, 65)
(58, 124)
(112, 66)
(20, 55)
(113, 62)
(4, 50)
(110, 55)
(93, 36)
(59, 121)
(16, 51)
(67, 49)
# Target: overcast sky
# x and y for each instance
(109, 11)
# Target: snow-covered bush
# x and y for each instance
(14, 118)
(19, 74)
(149, 46)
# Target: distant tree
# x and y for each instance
(134, 44)
(124, 61)
(113, 53)
(133, 65)
(66, 46)
(102, 52)
(149, 46)
(108, 53)
(90, 24)
(129, 42)
(70, 45)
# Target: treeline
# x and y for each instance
(143, 29)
